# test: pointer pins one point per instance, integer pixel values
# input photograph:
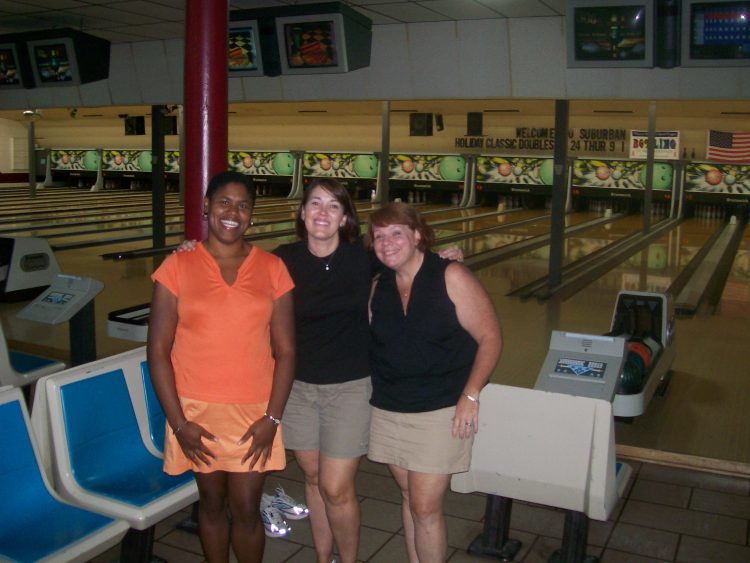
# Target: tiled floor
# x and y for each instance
(667, 514)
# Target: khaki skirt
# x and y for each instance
(419, 441)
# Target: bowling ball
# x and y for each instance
(452, 168)
(144, 161)
(546, 171)
(283, 164)
(602, 172)
(91, 160)
(637, 360)
(505, 169)
(662, 176)
(642, 350)
(325, 163)
(366, 166)
(653, 345)
(657, 256)
(713, 177)
(407, 166)
(247, 162)
(630, 379)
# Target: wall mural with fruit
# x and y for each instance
(262, 163)
(620, 174)
(72, 159)
(340, 165)
(717, 178)
(126, 160)
(430, 167)
(172, 162)
(514, 170)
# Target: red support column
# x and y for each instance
(205, 105)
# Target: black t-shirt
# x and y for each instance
(421, 360)
(330, 311)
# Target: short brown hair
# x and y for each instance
(397, 213)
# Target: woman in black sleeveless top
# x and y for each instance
(435, 342)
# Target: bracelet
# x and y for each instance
(472, 398)
(180, 427)
(273, 419)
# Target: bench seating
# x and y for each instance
(35, 525)
(19, 369)
(101, 459)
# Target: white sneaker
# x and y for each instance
(288, 506)
(273, 520)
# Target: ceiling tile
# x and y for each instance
(519, 8)
(408, 12)
(460, 9)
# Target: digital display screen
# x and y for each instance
(53, 63)
(9, 74)
(311, 44)
(243, 49)
(57, 298)
(571, 367)
(610, 33)
(720, 30)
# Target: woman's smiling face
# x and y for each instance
(229, 212)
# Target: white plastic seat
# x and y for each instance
(101, 458)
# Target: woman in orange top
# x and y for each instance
(221, 356)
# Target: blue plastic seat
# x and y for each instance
(19, 369)
(156, 419)
(100, 457)
(35, 525)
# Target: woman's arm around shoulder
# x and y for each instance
(476, 314)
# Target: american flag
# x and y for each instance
(728, 147)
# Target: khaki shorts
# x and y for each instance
(420, 441)
(333, 418)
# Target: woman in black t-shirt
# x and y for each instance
(327, 417)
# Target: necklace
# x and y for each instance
(327, 260)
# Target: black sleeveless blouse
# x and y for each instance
(420, 360)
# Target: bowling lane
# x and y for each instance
(512, 228)
(694, 416)
(735, 300)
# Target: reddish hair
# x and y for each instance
(397, 213)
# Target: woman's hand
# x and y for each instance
(451, 252)
(186, 246)
(466, 419)
(190, 436)
(262, 432)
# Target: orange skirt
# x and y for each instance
(228, 422)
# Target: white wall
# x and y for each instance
(8, 130)
(500, 58)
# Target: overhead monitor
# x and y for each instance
(66, 57)
(10, 67)
(245, 49)
(610, 33)
(53, 62)
(324, 43)
(716, 33)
